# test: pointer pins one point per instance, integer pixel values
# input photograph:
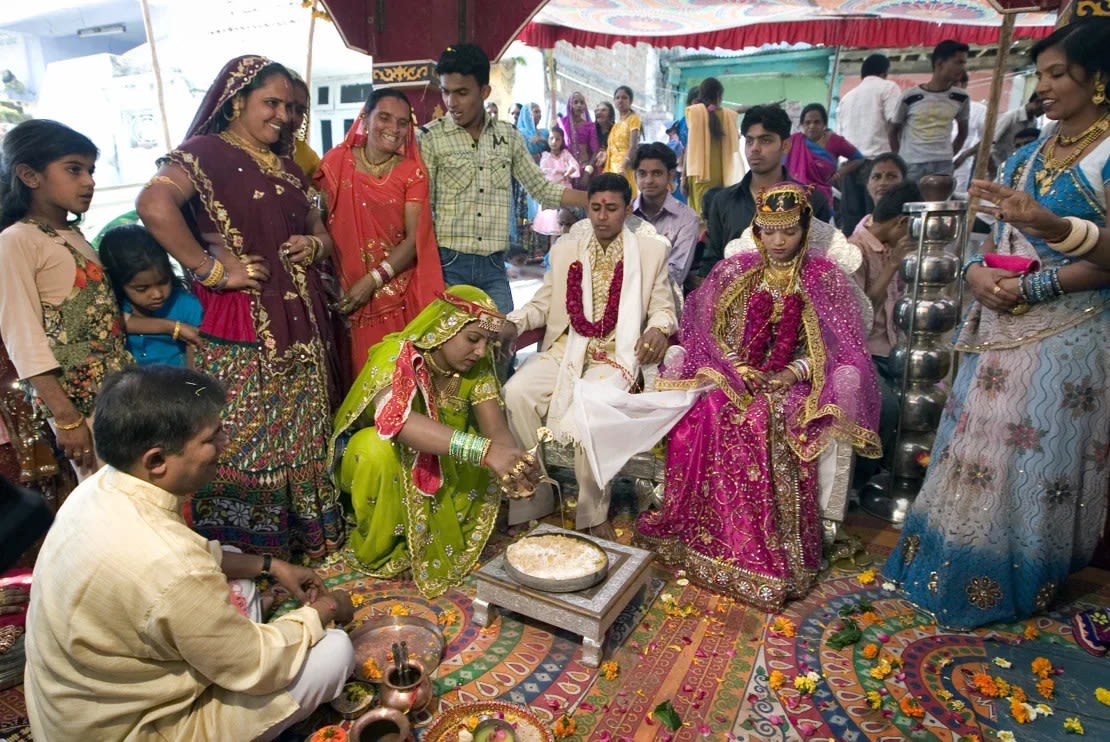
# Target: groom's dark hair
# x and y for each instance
(612, 182)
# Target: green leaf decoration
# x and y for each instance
(667, 716)
(849, 633)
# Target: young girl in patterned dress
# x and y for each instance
(59, 318)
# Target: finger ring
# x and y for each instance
(87, 451)
(996, 290)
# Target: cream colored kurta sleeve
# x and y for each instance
(660, 309)
(195, 618)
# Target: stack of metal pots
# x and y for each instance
(925, 315)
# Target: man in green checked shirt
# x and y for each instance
(472, 159)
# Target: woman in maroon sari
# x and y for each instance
(234, 211)
(376, 188)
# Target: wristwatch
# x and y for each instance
(267, 560)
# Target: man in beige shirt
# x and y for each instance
(596, 328)
(130, 632)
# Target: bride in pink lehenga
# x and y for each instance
(777, 334)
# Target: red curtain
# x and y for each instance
(851, 32)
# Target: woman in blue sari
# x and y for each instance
(1014, 499)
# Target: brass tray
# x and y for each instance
(375, 639)
(549, 585)
(446, 726)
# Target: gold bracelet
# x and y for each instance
(167, 181)
(71, 426)
(216, 277)
(176, 330)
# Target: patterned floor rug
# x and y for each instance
(715, 662)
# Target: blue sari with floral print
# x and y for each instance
(1014, 499)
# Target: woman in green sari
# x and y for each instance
(423, 430)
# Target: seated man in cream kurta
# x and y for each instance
(130, 633)
(597, 328)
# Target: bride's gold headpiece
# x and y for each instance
(780, 206)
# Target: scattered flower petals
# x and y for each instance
(1072, 725)
(610, 670)
(866, 577)
(1005, 664)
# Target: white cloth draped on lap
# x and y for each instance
(628, 331)
(616, 424)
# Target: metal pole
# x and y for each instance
(832, 79)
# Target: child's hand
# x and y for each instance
(190, 336)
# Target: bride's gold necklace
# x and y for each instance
(377, 169)
(261, 155)
(1053, 167)
(446, 382)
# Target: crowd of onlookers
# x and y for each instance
(297, 380)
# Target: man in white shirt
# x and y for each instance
(864, 118)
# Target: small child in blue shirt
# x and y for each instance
(160, 314)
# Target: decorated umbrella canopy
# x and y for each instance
(397, 31)
(736, 25)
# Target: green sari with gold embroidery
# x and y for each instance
(439, 534)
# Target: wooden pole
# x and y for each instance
(982, 155)
(551, 82)
(158, 88)
(308, 60)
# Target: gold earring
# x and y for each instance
(236, 109)
(1100, 91)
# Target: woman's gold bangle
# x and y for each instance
(71, 426)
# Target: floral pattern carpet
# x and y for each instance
(853, 661)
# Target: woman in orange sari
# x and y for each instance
(376, 187)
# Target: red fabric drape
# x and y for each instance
(850, 32)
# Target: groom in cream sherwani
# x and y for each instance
(607, 309)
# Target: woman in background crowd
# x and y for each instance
(624, 137)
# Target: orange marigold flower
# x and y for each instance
(866, 577)
(610, 670)
(985, 684)
(1042, 668)
(1031, 632)
(1003, 687)
(871, 651)
(371, 670)
(564, 727)
(1020, 712)
(783, 626)
(776, 680)
(1046, 687)
(910, 707)
(1017, 693)
(868, 617)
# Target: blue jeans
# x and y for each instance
(486, 272)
